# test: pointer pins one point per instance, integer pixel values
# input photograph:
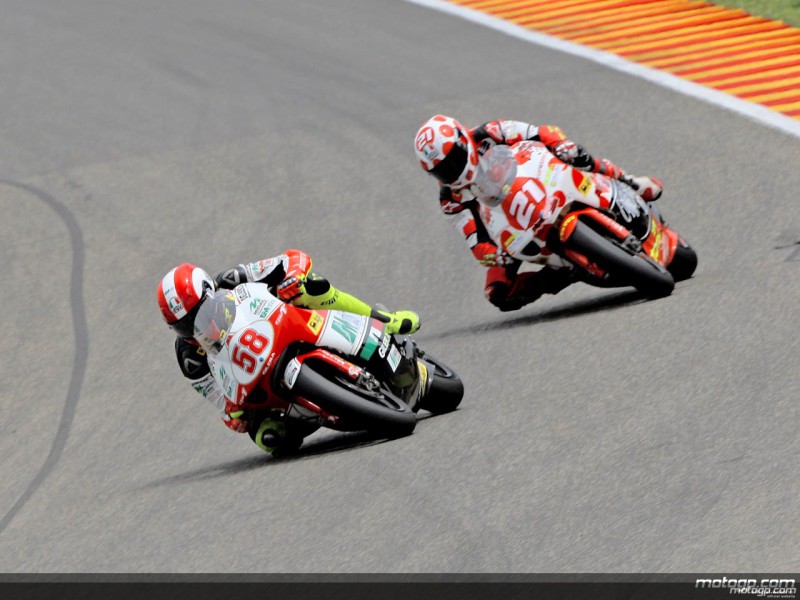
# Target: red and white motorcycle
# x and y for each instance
(539, 209)
(326, 367)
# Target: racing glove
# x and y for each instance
(298, 266)
(292, 287)
(566, 151)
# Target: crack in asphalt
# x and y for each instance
(81, 346)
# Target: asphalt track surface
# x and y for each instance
(599, 432)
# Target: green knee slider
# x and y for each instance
(270, 435)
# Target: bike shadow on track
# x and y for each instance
(336, 442)
(573, 309)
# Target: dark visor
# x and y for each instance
(452, 165)
(184, 326)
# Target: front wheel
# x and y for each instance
(446, 389)
(684, 262)
(357, 407)
(624, 266)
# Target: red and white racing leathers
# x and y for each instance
(191, 357)
(504, 287)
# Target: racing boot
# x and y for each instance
(400, 321)
(649, 188)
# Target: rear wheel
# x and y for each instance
(684, 262)
(446, 389)
(358, 408)
(623, 264)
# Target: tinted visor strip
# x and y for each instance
(451, 166)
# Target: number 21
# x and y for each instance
(523, 205)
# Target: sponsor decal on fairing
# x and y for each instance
(345, 332)
(384, 346)
(394, 358)
(241, 293)
(315, 322)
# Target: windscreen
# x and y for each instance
(497, 170)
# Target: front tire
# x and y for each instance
(623, 266)
(358, 409)
(446, 390)
(684, 262)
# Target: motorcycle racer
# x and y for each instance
(451, 152)
(182, 291)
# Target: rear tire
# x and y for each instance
(358, 409)
(446, 391)
(636, 270)
(684, 262)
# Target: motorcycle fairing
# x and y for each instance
(264, 326)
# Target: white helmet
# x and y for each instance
(446, 150)
(180, 294)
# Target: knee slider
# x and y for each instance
(268, 434)
(497, 293)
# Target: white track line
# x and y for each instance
(756, 112)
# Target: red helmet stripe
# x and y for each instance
(171, 293)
